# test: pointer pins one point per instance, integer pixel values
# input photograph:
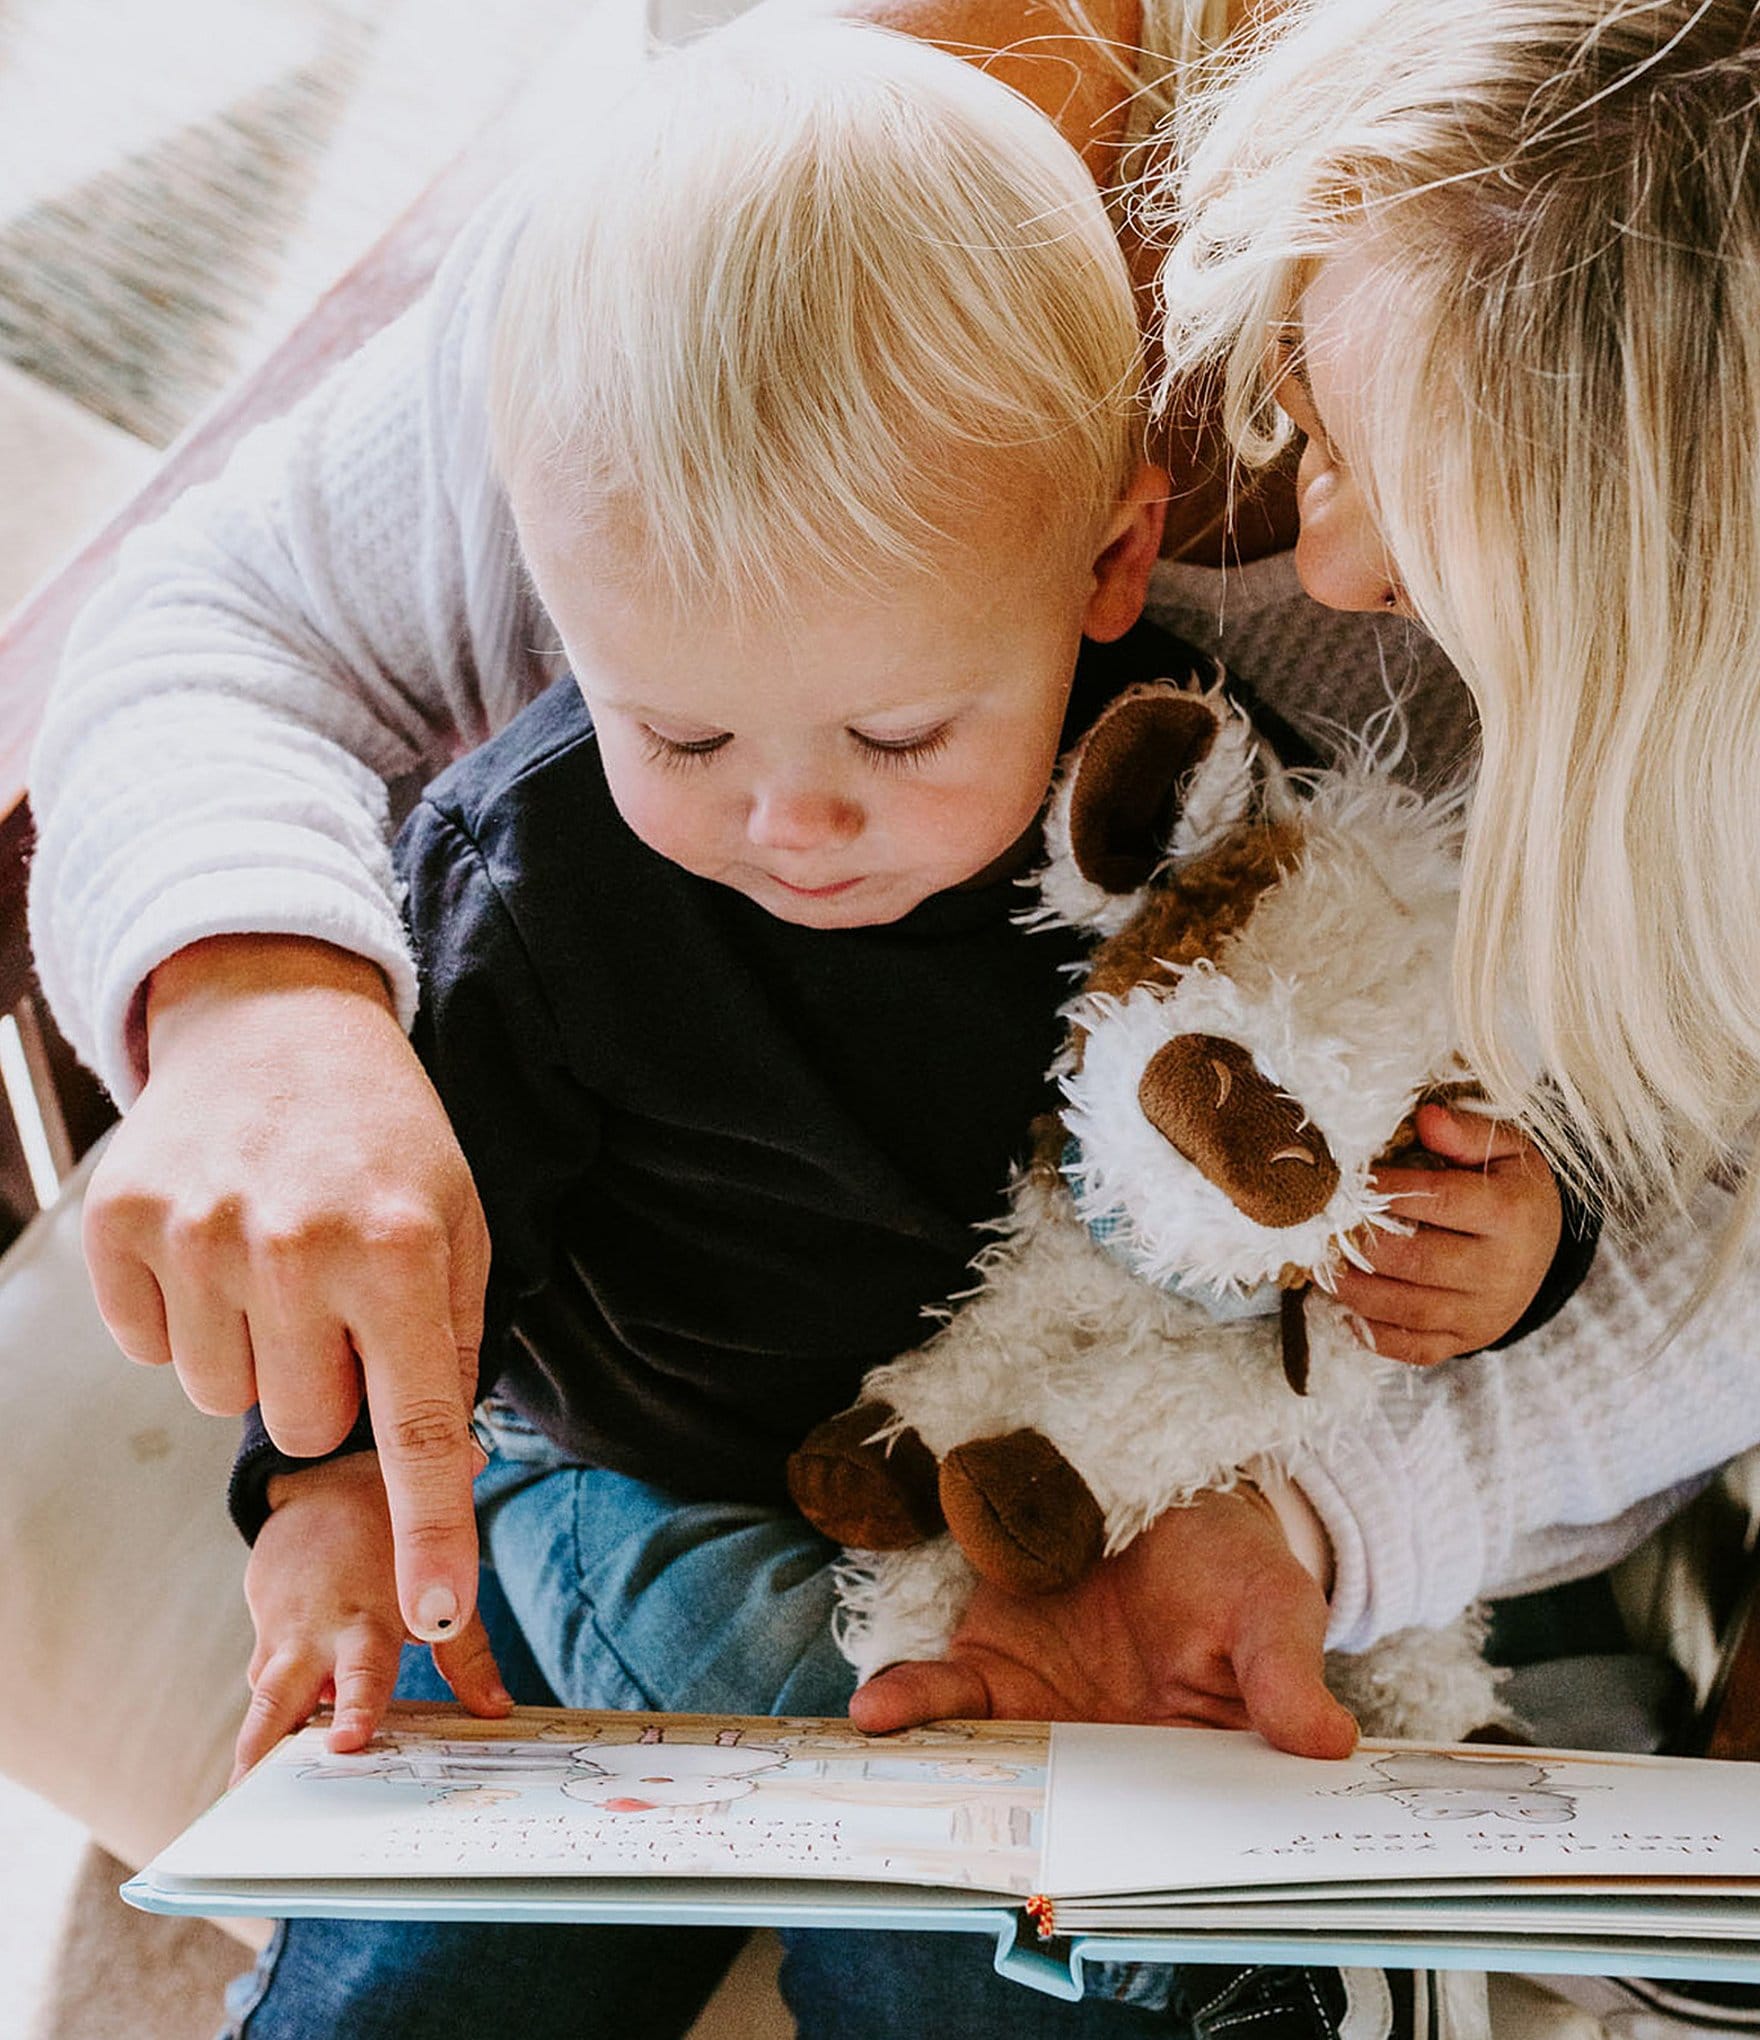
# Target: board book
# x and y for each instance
(1067, 1843)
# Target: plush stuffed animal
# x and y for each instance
(1269, 999)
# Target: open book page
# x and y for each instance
(554, 1793)
(1170, 1810)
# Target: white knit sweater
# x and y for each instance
(345, 609)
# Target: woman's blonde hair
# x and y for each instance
(808, 299)
(1558, 203)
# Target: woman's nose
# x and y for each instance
(801, 818)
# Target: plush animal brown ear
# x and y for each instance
(1125, 787)
(1165, 773)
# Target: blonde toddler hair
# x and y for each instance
(801, 306)
(1560, 204)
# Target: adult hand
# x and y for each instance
(285, 1211)
(1207, 1619)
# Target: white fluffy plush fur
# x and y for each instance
(1339, 984)
(1433, 1684)
(1141, 1389)
(1151, 1401)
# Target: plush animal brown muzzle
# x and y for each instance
(1253, 1141)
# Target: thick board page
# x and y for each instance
(1171, 1810)
(561, 1794)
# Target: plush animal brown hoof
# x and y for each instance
(1253, 1141)
(870, 1496)
(1021, 1513)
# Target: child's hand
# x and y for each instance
(1487, 1229)
(322, 1589)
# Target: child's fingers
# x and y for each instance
(1429, 1257)
(1469, 1139)
(1407, 1306)
(1452, 1200)
(1412, 1349)
(282, 1697)
(468, 1666)
(366, 1670)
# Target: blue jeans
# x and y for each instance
(603, 1592)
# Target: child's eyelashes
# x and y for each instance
(889, 753)
(896, 752)
(681, 750)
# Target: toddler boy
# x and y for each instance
(817, 398)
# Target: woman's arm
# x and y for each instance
(341, 609)
(284, 1208)
(1549, 1460)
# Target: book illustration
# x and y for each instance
(1114, 1838)
(639, 1777)
(1082, 1812)
(1440, 1785)
(632, 1795)
(1150, 1810)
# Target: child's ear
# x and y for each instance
(1127, 556)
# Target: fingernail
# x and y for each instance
(436, 1614)
(499, 1696)
(479, 1459)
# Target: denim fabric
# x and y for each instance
(857, 1986)
(629, 1598)
(632, 1598)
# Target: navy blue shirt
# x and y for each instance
(726, 1160)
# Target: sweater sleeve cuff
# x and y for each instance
(239, 902)
(1298, 1519)
(1403, 1526)
(1578, 1237)
(260, 1459)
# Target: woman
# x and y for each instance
(342, 611)
(1508, 279)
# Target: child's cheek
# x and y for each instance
(656, 807)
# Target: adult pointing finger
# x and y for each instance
(284, 1214)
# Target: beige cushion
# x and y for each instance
(123, 1631)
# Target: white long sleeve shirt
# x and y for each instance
(345, 609)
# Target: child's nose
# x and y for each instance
(802, 818)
